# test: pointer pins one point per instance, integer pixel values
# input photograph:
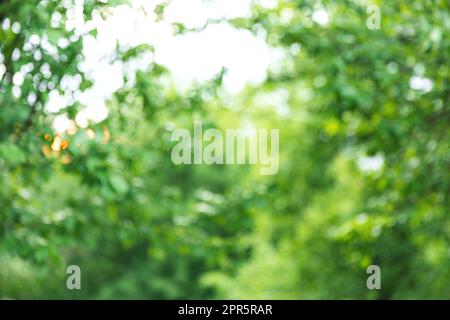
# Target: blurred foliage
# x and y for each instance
(109, 199)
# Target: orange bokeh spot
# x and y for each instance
(65, 144)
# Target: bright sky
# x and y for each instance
(190, 57)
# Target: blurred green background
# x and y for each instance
(364, 161)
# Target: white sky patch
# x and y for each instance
(61, 123)
(191, 57)
(421, 83)
(268, 4)
(195, 13)
(55, 102)
(320, 16)
(370, 163)
(200, 56)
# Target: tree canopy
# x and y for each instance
(364, 174)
